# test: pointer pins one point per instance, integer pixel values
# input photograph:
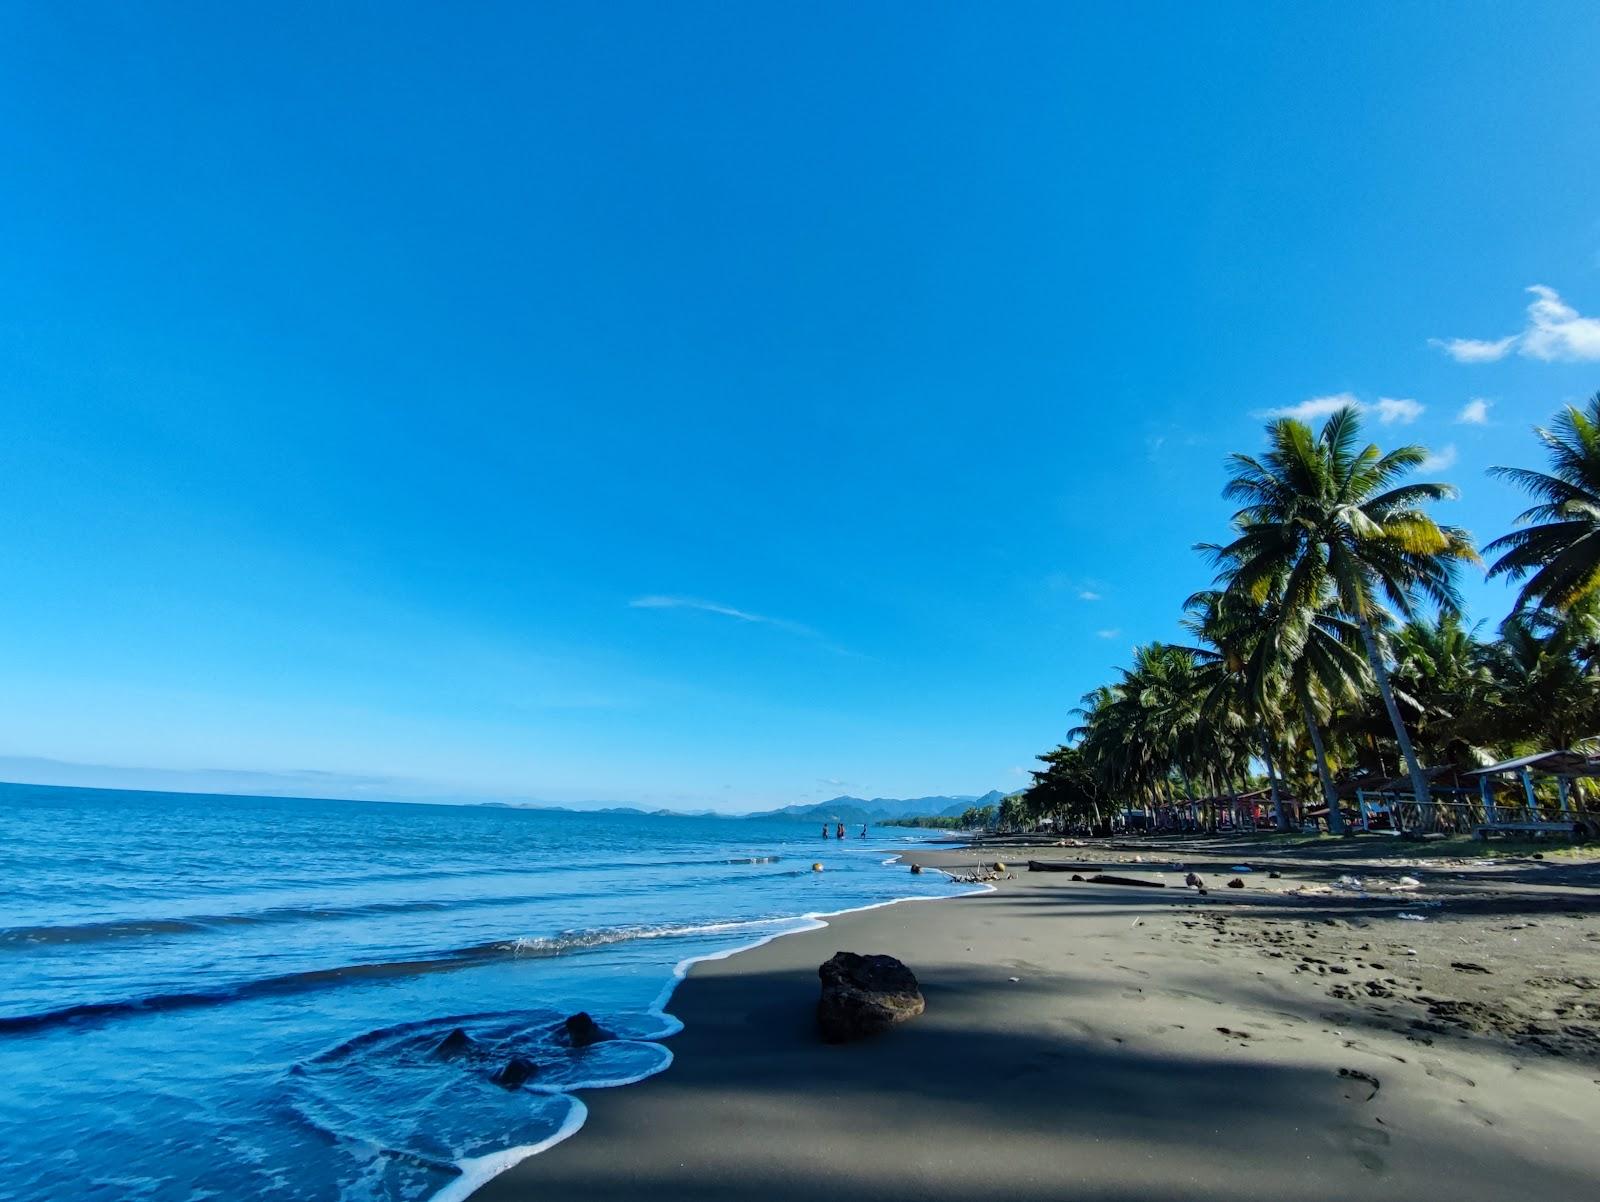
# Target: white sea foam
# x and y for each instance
(477, 1171)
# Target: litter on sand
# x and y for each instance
(1241, 868)
(1414, 917)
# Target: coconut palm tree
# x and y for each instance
(1544, 693)
(1558, 551)
(1325, 518)
(1443, 685)
(1140, 732)
(1228, 627)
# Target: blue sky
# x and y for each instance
(720, 405)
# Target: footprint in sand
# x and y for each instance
(1359, 1143)
(1361, 1087)
(1355, 1045)
(1134, 994)
(1439, 1073)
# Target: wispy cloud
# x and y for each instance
(1088, 594)
(1387, 410)
(1109, 633)
(1438, 461)
(1396, 409)
(657, 601)
(1475, 350)
(1475, 412)
(1555, 331)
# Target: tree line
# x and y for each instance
(1331, 642)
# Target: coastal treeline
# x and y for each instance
(1331, 643)
(973, 818)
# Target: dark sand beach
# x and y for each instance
(1292, 1039)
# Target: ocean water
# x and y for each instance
(245, 997)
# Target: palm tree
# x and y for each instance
(1443, 685)
(1323, 517)
(1545, 694)
(1559, 548)
(1229, 627)
(1139, 732)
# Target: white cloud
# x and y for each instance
(1555, 331)
(1438, 461)
(1397, 409)
(1387, 410)
(1088, 594)
(1316, 407)
(1474, 350)
(1475, 412)
(726, 611)
(1107, 634)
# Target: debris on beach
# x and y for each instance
(978, 876)
(1241, 868)
(1413, 917)
(1101, 878)
(1236, 883)
(1366, 885)
(863, 995)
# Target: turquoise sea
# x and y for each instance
(245, 997)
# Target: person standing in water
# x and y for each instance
(863, 830)
(841, 830)
(824, 830)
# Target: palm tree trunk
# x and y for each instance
(1380, 673)
(1329, 793)
(1278, 816)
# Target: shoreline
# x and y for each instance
(1103, 1009)
(478, 1172)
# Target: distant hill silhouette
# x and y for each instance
(879, 809)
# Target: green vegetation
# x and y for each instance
(1331, 644)
(973, 818)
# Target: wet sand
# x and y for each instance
(1102, 1042)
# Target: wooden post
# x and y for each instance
(1562, 783)
(1488, 800)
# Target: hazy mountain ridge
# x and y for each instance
(878, 809)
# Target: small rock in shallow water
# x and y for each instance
(863, 995)
(457, 1043)
(583, 1030)
(516, 1071)
(916, 870)
(1236, 883)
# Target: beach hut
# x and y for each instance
(1569, 816)
(1390, 804)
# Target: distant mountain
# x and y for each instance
(878, 809)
